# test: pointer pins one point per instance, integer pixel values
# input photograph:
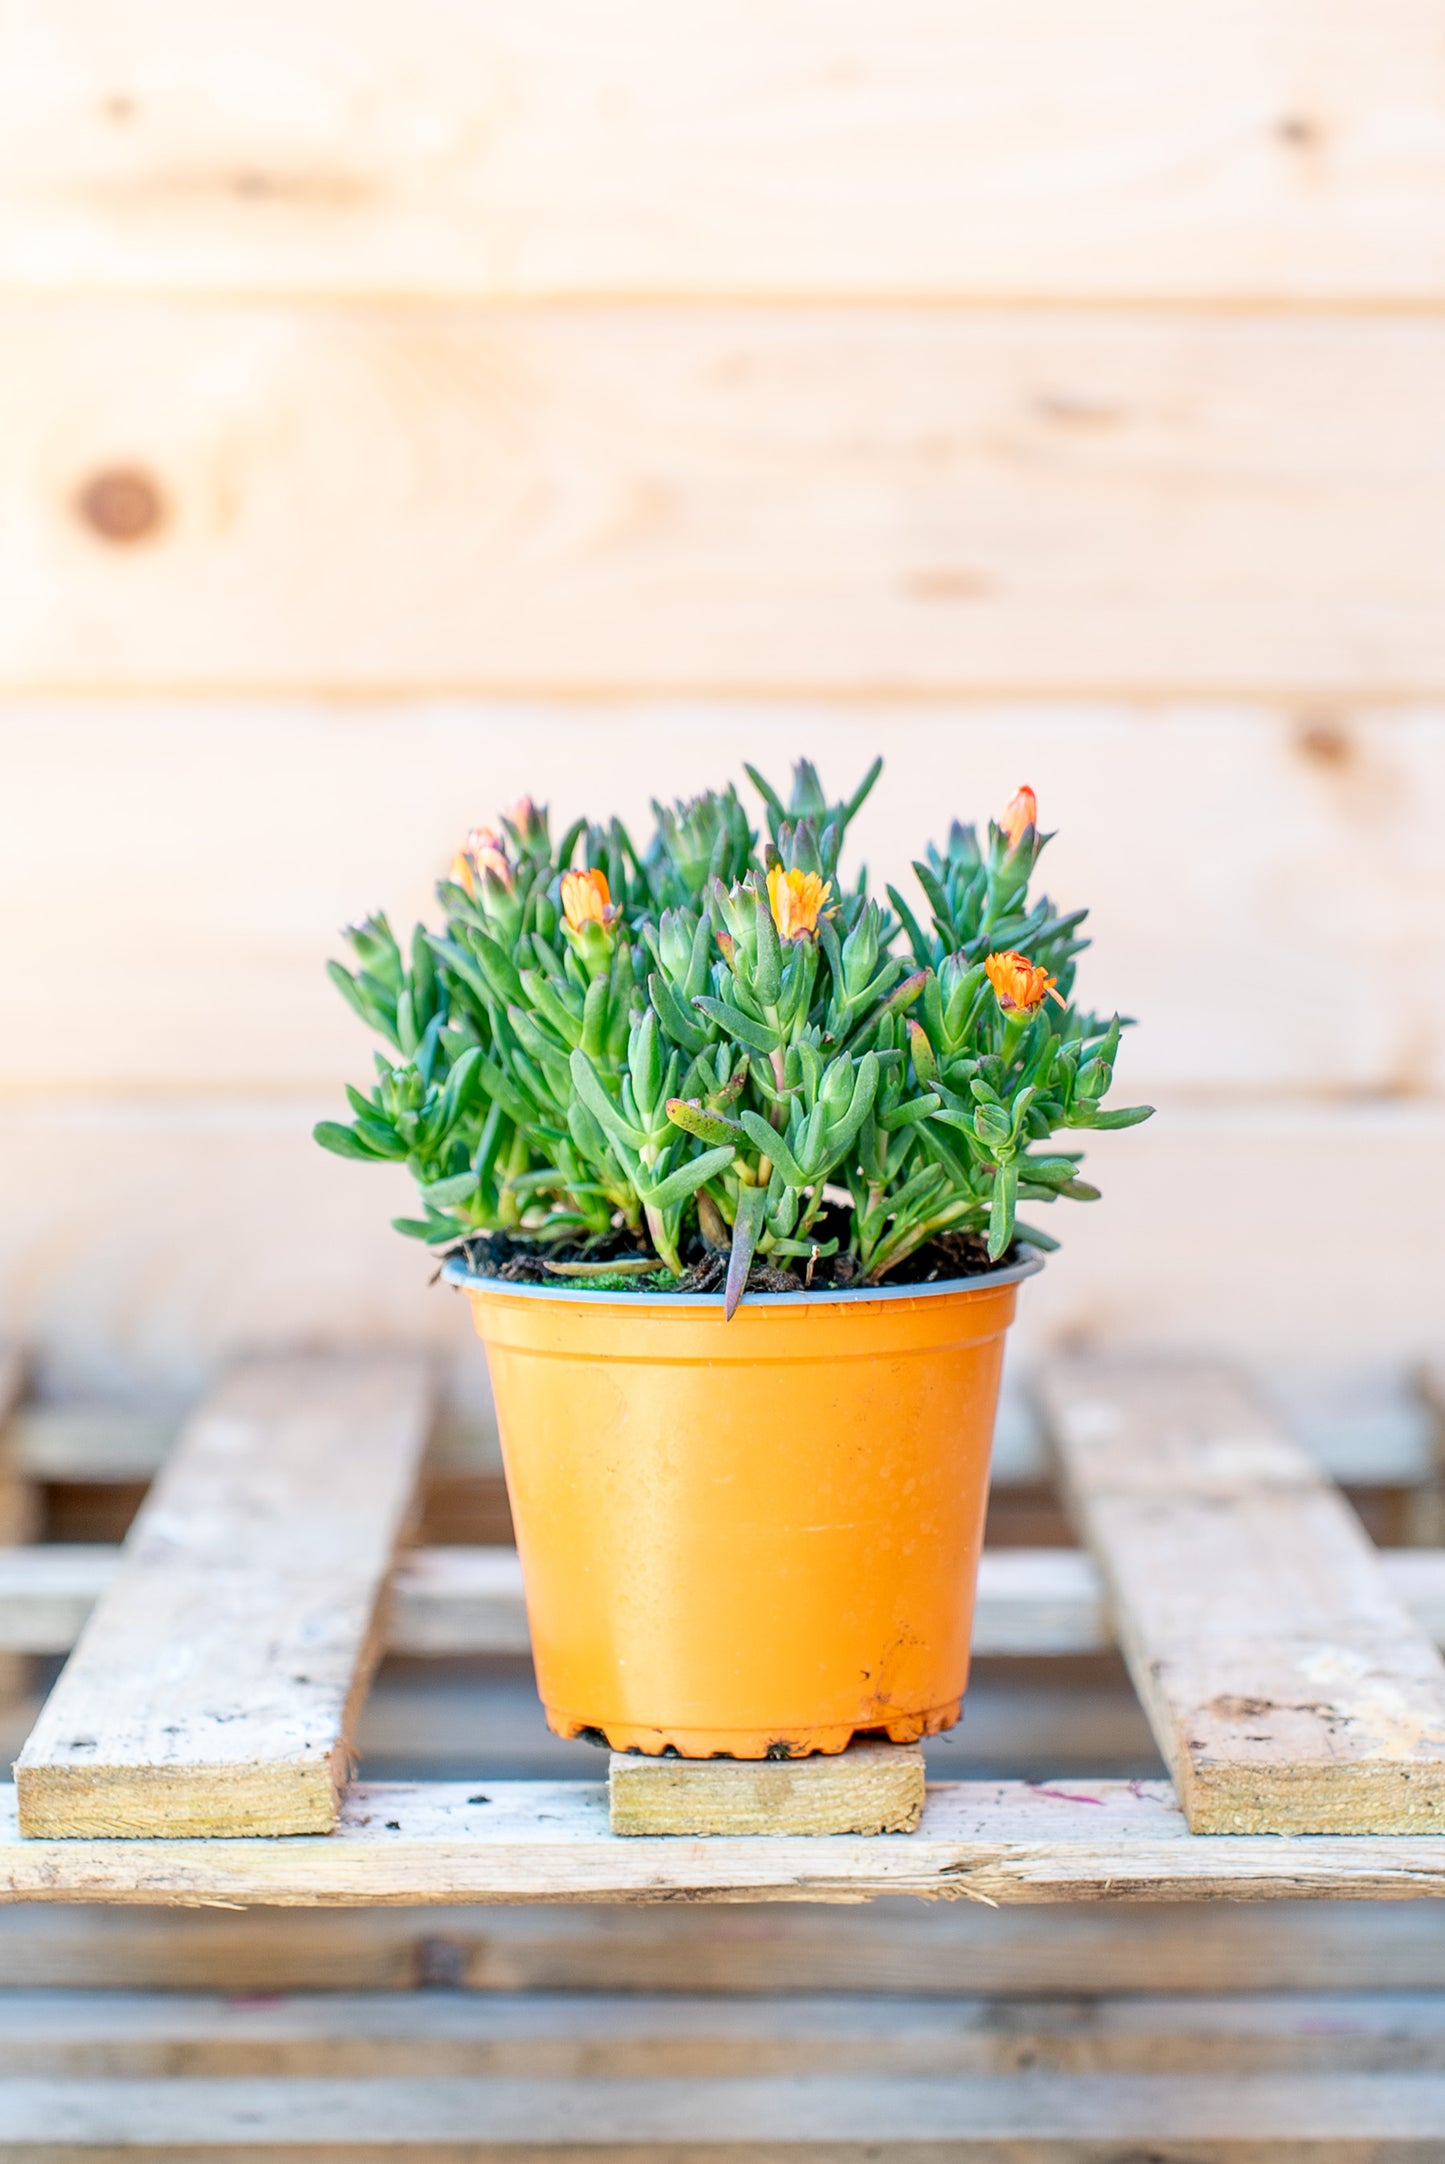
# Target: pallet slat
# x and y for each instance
(469, 1600)
(872, 1788)
(1032, 2118)
(889, 1946)
(1287, 1688)
(449, 2032)
(214, 1687)
(412, 1844)
(17, 1519)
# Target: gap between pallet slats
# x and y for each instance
(1288, 1690)
(214, 1688)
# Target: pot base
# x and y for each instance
(751, 1743)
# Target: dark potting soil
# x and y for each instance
(525, 1262)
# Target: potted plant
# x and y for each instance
(728, 1158)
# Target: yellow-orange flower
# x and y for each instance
(1022, 987)
(586, 898)
(796, 900)
(1021, 811)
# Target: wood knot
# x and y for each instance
(1300, 131)
(121, 504)
(1323, 740)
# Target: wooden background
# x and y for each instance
(404, 405)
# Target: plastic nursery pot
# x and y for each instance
(752, 1538)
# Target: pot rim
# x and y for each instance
(1029, 1265)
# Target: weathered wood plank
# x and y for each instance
(469, 1600)
(414, 1844)
(214, 1000)
(1031, 2118)
(101, 1445)
(625, 496)
(214, 1688)
(1427, 1503)
(17, 1520)
(1361, 1425)
(869, 1788)
(91, 1443)
(458, 1600)
(1239, 150)
(889, 1945)
(374, 2035)
(1287, 1688)
(106, 1207)
(47, 1595)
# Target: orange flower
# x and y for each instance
(796, 900)
(1022, 987)
(1020, 812)
(586, 899)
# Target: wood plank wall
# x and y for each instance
(408, 405)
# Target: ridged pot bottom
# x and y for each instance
(755, 1743)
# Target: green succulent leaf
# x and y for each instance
(747, 1229)
(608, 1115)
(688, 1178)
(757, 1036)
(683, 1028)
(1125, 1116)
(708, 1126)
(770, 1144)
(342, 1142)
(1001, 1211)
(445, 1194)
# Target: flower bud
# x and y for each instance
(676, 937)
(1020, 813)
(860, 951)
(483, 851)
(526, 825)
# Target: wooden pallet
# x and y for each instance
(438, 2077)
(1288, 1670)
(441, 2077)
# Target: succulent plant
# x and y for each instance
(715, 1041)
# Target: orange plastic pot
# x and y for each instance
(753, 1538)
